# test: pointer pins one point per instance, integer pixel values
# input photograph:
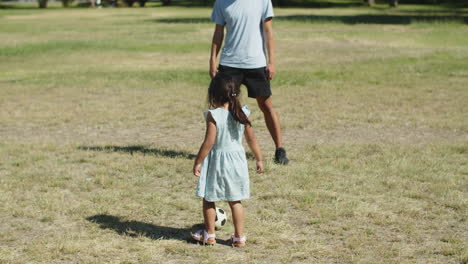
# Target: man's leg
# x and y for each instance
(273, 124)
(271, 119)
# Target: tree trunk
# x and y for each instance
(281, 2)
(370, 2)
(142, 3)
(42, 3)
(393, 3)
(166, 2)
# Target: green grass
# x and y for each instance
(101, 115)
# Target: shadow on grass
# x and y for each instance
(323, 4)
(183, 20)
(141, 149)
(357, 19)
(448, 11)
(375, 19)
(150, 151)
(137, 228)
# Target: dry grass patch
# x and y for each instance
(97, 139)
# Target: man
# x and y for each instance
(248, 30)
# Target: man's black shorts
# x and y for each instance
(255, 80)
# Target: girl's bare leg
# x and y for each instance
(209, 214)
(238, 218)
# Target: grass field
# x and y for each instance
(101, 115)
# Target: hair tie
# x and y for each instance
(234, 95)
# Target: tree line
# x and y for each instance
(277, 3)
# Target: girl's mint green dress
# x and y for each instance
(224, 172)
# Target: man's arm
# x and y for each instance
(218, 37)
(270, 45)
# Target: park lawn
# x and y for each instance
(101, 116)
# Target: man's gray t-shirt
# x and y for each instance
(244, 45)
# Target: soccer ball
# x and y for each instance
(221, 218)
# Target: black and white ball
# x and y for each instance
(221, 218)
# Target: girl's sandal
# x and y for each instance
(201, 236)
(238, 241)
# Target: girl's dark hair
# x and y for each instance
(223, 89)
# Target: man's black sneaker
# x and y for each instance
(280, 156)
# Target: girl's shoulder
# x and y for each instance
(246, 110)
(216, 114)
(220, 114)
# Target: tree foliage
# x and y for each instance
(42, 3)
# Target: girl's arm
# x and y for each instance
(218, 37)
(253, 144)
(207, 144)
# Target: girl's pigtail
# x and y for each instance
(235, 107)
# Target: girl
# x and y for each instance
(221, 164)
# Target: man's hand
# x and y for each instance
(197, 170)
(270, 71)
(213, 69)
